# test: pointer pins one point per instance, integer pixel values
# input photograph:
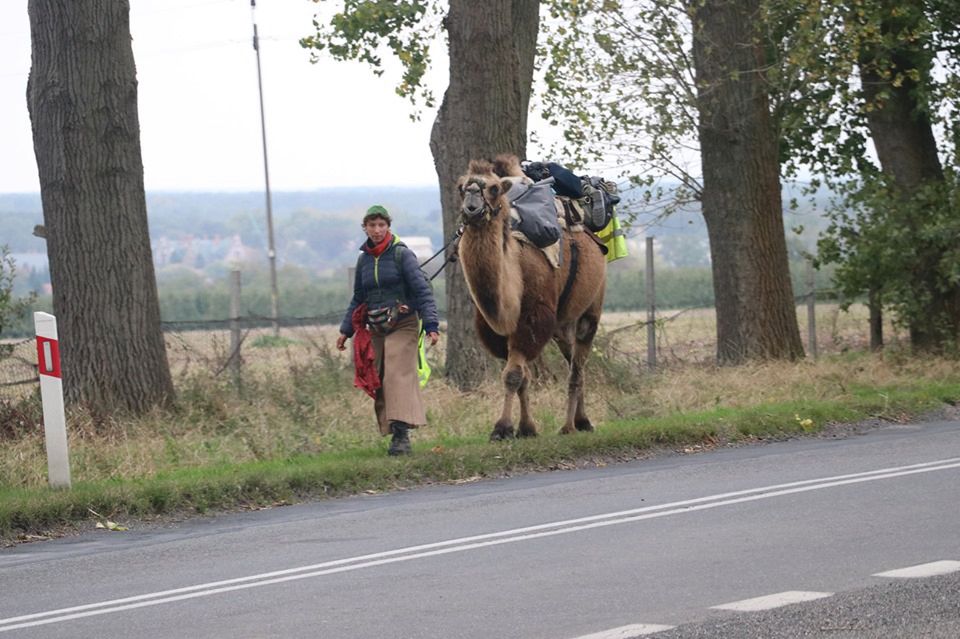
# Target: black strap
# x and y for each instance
(452, 258)
(571, 275)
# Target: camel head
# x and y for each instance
(483, 187)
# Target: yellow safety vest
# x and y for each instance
(423, 366)
(613, 237)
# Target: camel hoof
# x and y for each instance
(584, 425)
(567, 430)
(527, 430)
(501, 431)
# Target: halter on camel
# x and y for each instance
(476, 188)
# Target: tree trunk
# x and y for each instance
(483, 113)
(82, 96)
(756, 312)
(907, 149)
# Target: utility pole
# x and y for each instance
(271, 251)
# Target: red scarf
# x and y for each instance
(377, 250)
(365, 375)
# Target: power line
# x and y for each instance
(271, 252)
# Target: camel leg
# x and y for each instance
(564, 339)
(575, 347)
(586, 331)
(512, 376)
(528, 428)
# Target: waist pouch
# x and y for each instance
(383, 320)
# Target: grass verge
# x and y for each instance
(35, 512)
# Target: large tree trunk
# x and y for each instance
(907, 149)
(483, 113)
(756, 312)
(82, 96)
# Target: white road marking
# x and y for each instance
(773, 601)
(931, 569)
(468, 543)
(625, 632)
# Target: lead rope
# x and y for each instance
(453, 255)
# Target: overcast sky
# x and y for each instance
(328, 124)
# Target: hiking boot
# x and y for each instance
(400, 444)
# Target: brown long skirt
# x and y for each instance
(398, 398)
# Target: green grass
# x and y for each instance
(38, 510)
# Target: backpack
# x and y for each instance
(398, 260)
(533, 212)
(565, 183)
(599, 198)
(586, 199)
(423, 366)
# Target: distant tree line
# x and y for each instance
(308, 298)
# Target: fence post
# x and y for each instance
(235, 326)
(51, 396)
(876, 320)
(811, 311)
(651, 310)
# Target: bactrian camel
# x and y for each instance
(522, 300)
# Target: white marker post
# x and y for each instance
(51, 393)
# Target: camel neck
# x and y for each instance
(490, 260)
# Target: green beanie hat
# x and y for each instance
(376, 211)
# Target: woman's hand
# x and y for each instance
(342, 342)
(434, 337)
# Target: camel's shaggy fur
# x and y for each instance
(517, 293)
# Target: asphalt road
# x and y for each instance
(678, 546)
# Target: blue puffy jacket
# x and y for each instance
(379, 283)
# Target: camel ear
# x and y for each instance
(505, 184)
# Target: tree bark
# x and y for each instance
(82, 97)
(483, 113)
(756, 312)
(907, 149)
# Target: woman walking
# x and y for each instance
(392, 299)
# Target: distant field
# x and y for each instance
(683, 337)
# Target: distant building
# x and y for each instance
(197, 252)
(423, 247)
(419, 244)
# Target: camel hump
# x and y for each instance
(480, 167)
(507, 165)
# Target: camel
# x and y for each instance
(521, 299)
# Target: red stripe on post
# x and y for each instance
(48, 356)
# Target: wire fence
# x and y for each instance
(225, 347)
(18, 368)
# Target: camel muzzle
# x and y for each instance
(471, 210)
(474, 205)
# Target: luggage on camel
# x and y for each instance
(614, 239)
(533, 212)
(581, 200)
(599, 196)
(565, 183)
(591, 200)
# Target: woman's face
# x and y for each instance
(376, 229)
